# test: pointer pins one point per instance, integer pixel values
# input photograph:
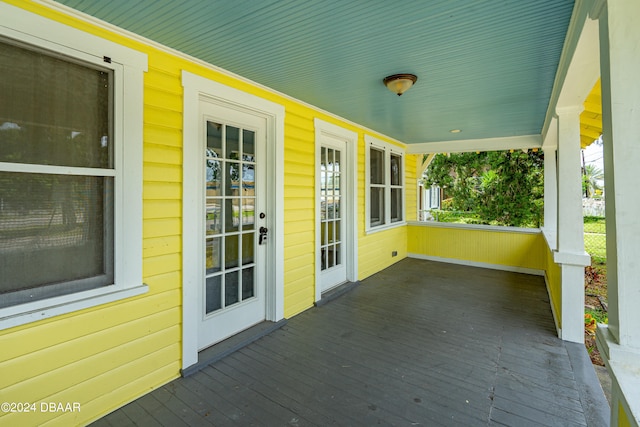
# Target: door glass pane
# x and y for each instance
(214, 140)
(53, 111)
(330, 231)
(330, 206)
(213, 293)
(231, 251)
(247, 248)
(214, 216)
(231, 288)
(233, 143)
(323, 233)
(337, 230)
(248, 213)
(338, 254)
(248, 182)
(232, 179)
(213, 251)
(232, 214)
(213, 172)
(248, 283)
(376, 166)
(330, 256)
(248, 145)
(336, 161)
(330, 160)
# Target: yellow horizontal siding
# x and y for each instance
(161, 172)
(411, 184)
(161, 227)
(375, 250)
(162, 191)
(524, 250)
(162, 136)
(159, 153)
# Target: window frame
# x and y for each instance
(388, 150)
(128, 67)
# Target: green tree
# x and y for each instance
(591, 180)
(501, 187)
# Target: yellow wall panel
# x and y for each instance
(514, 249)
(161, 264)
(157, 153)
(50, 358)
(160, 172)
(116, 371)
(161, 227)
(169, 81)
(554, 284)
(33, 337)
(161, 209)
(161, 246)
(162, 117)
(162, 99)
(164, 282)
(375, 250)
(94, 409)
(162, 191)
(161, 135)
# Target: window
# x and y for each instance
(68, 181)
(385, 184)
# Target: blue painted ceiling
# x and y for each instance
(485, 67)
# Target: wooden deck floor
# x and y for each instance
(421, 343)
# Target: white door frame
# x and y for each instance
(195, 89)
(323, 128)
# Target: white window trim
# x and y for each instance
(129, 67)
(388, 150)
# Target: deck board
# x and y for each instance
(420, 343)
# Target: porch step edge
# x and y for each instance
(232, 344)
(594, 402)
(336, 292)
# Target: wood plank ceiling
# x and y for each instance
(484, 67)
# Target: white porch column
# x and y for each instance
(570, 242)
(620, 64)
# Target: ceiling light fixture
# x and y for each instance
(399, 83)
(455, 131)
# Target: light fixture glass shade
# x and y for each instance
(399, 83)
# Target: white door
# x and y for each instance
(233, 241)
(332, 225)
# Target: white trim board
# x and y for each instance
(490, 266)
(195, 88)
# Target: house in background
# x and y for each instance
(174, 173)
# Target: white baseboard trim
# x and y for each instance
(510, 268)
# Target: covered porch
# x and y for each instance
(420, 343)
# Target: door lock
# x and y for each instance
(263, 235)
